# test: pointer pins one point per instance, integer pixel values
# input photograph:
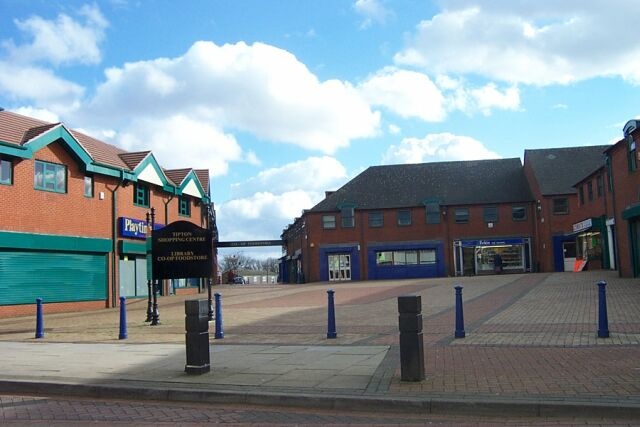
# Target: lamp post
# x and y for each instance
(150, 224)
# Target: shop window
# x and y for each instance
(600, 185)
(404, 217)
(518, 213)
(427, 256)
(462, 215)
(347, 217)
(632, 154)
(50, 177)
(88, 186)
(590, 190)
(561, 206)
(376, 219)
(6, 172)
(141, 195)
(433, 212)
(184, 206)
(328, 221)
(408, 257)
(490, 214)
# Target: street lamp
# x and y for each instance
(150, 223)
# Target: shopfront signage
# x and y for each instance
(492, 242)
(582, 225)
(134, 228)
(181, 250)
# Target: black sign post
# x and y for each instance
(180, 250)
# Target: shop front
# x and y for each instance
(485, 256)
(632, 216)
(591, 245)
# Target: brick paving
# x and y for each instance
(528, 336)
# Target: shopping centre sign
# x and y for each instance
(181, 250)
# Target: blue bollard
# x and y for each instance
(331, 316)
(603, 321)
(459, 316)
(219, 332)
(123, 319)
(39, 319)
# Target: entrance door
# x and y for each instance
(569, 254)
(339, 267)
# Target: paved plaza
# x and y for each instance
(531, 347)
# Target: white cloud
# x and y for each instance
(394, 129)
(314, 174)
(61, 41)
(437, 147)
(270, 200)
(372, 11)
(407, 93)
(254, 88)
(39, 86)
(38, 113)
(539, 43)
(202, 146)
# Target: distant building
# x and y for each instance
(565, 209)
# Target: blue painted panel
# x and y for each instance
(350, 250)
(405, 271)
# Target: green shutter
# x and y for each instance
(53, 276)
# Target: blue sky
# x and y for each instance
(284, 99)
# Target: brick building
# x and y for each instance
(565, 209)
(73, 216)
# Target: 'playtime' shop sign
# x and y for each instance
(134, 228)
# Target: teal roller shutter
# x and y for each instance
(54, 276)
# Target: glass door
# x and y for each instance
(339, 267)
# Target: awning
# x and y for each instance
(631, 211)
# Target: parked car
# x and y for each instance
(239, 280)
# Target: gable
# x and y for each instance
(150, 174)
(192, 189)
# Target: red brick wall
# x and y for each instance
(627, 189)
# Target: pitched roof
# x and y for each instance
(451, 183)
(557, 170)
(132, 160)
(177, 175)
(13, 127)
(17, 129)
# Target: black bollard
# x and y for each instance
(155, 314)
(219, 334)
(197, 336)
(411, 340)
(123, 319)
(459, 333)
(331, 315)
(603, 319)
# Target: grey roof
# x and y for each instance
(557, 170)
(451, 183)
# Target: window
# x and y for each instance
(409, 257)
(184, 206)
(88, 186)
(518, 213)
(50, 177)
(561, 206)
(600, 185)
(490, 214)
(433, 213)
(404, 217)
(632, 154)
(581, 194)
(427, 256)
(590, 190)
(328, 221)
(462, 215)
(141, 195)
(6, 172)
(348, 217)
(376, 219)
